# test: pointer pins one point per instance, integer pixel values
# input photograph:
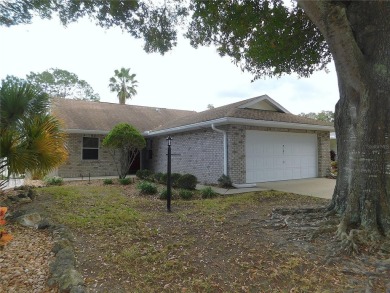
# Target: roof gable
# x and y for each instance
(264, 103)
(260, 111)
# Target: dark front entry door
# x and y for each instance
(136, 165)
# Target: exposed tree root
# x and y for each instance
(312, 223)
(293, 211)
(323, 230)
(358, 238)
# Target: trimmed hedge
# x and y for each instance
(187, 181)
(146, 187)
(144, 174)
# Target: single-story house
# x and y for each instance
(254, 140)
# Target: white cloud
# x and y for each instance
(185, 78)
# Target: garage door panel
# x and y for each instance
(272, 156)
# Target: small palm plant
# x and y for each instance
(31, 140)
(124, 84)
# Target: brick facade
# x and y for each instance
(201, 152)
(323, 142)
(76, 167)
(197, 152)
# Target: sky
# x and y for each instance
(184, 78)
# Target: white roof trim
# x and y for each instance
(266, 98)
(241, 121)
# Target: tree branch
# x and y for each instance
(332, 21)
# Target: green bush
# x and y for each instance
(207, 192)
(224, 181)
(144, 174)
(174, 178)
(185, 194)
(163, 194)
(124, 181)
(187, 181)
(146, 187)
(158, 177)
(108, 182)
(163, 179)
(54, 180)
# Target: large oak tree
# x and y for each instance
(266, 37)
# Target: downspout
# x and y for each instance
(225, 149)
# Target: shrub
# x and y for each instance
(144, 174)
(332, 155)
(146, 187)
(164, 194)
(158, 177)
(187, 181)
(108, 181)
(124, 181)
(224, 181)
(163, 179)
(186, 194)
(54, 180)
(207, 192)
(174, 178)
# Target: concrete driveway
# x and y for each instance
(319, 187)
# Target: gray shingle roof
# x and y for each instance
(100, 116)
(234, 111)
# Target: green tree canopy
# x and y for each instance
(327, 116)
(124, 142)
(124, 84)
(30, 139)
(64, 84)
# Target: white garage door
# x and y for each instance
(273, 156)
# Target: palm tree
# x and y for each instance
(31, 140)
(120, 83)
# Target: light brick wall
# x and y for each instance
(76, 167)
(323, 141)
(196, 152)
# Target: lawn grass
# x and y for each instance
(127, 242)
(85, 206)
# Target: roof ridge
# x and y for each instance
(115, 104)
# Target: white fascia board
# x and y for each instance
(241, 121)
(188, 127)
(86, 131)
(278, 124)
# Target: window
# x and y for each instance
(90, 148)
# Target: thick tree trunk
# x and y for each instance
(358, 34)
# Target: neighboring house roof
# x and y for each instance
(98, 117)
(259, 111)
